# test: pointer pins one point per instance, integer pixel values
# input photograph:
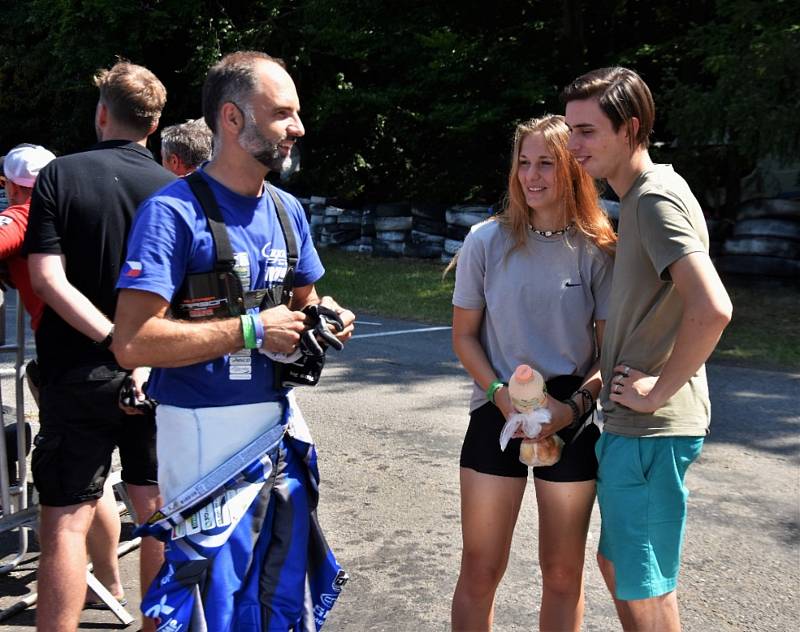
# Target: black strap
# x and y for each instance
(224, 261)
(286, 229)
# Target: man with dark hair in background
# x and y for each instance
(81, 211)
(185, 146)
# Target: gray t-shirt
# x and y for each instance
(540, 302)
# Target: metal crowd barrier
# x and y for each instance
(14, 493)
(18, 512)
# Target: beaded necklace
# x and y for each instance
(551, 233)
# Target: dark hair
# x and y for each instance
(133, 95)
(232, 79)
(622, 95)
(189, 141)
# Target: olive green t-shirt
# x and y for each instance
(660, 222)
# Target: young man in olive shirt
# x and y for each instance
(668, 310)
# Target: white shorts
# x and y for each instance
(191, 442)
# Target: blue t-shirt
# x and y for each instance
(170, 238)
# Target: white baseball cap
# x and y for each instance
(23, 163)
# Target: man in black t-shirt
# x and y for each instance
(80, 215)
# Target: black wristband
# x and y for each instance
(105, 343)
(588, 400)
(576, 415)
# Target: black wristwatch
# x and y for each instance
(105, 343)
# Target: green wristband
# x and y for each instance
(493, 388)
(248, 332)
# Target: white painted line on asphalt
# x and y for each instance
(402, 331)
(366, 322)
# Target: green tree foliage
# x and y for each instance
(415, 99)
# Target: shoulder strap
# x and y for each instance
(286, 227)
(224, 261)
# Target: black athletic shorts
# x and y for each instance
(80, 424)
(481, 450)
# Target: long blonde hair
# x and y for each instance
(580, 202)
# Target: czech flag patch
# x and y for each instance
(132, 268)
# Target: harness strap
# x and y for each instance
(224, 261)
(291, 243)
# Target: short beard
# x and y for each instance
(263, 150)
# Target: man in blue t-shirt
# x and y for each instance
(215, 394)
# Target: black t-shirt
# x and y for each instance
(82, 207)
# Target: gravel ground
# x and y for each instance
(389, 417)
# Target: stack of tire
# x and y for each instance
(367, 230)
(348, 230)
(393, 222)
(428, 231)
(765, 239)
(460, 220)
(316, 217)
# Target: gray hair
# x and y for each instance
(189, 141)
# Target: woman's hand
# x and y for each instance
(503, 401)
(561, 417)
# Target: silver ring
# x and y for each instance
(626, 370)
(618, 390)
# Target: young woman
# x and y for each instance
(532, 287)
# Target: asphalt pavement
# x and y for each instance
(389, 416)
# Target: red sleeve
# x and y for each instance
(13, 223)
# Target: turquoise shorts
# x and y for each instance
(642, 500)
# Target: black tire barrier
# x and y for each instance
(330, 220)
(432, 212)
(718, 229)
(451, 246)
(429, 226)
(349, 216)
(368, 223)
(457, 232)
(393, 223)
(768, 227)
(466, 215)
(391, 235)
(769, 207)
(394, 209)
(762, 246)
(356, 226)
(338, 237)
(387, 248)
(758, 265)
(420, 238)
